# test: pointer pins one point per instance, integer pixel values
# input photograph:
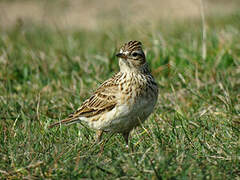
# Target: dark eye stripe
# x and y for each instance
(135, 54)
(140, 53)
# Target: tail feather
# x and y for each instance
(70, 120)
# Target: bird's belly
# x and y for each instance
(125, 117)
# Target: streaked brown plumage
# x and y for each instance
(123, 101)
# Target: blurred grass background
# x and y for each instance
(53, 54)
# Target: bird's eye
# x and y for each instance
(134, 54)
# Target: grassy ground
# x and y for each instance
(194, 132)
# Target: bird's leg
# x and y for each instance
(126, 136)
(104, 142)
(99, 134)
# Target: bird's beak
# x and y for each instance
(121, 55)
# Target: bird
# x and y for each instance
(122, 102)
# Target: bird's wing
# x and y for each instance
(104, 99)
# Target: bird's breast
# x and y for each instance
(136, 101)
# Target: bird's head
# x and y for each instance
(131, 56)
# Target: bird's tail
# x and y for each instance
(70, 120)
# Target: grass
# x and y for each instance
(194, 133)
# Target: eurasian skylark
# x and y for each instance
(123, 101)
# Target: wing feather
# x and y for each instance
(104, 99)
